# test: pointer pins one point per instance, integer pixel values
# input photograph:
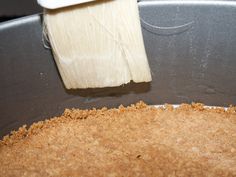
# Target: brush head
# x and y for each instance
(55, 4)
(94, 46)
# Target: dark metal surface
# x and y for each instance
(191, 46)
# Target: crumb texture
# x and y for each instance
(138, 140)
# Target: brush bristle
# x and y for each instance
(98, 44)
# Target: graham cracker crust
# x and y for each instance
(138, 140)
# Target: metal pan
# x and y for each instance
(191, 46)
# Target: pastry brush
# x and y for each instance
(96, 43)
